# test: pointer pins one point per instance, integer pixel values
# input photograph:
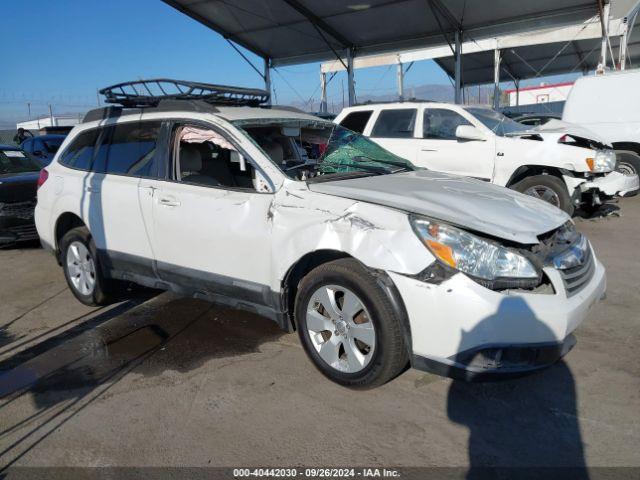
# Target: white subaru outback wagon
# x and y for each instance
(376, 263)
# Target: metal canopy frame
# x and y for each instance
(286, 32)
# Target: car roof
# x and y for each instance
(186, 108)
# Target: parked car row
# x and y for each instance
(376, 262)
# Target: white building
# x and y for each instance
(61, 120)
(542, 93)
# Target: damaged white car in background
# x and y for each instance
(378, 265)
(564, 165)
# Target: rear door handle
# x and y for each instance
(428, 150)
(169, 202)
(92, 189)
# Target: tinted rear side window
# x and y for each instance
(81, 151)
(398, 123)
(130, 150)
(356, 121)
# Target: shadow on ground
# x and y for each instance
(65, 373)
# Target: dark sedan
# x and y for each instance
(19, 174)
(43, 148)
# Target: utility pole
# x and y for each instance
(51, 115)
(29, 109)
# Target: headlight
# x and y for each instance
(473, 255)
(604, 161)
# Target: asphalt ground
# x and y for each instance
(166, 381)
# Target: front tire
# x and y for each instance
(348, 326)
(82, 269)
(547, 188)
(628, 163)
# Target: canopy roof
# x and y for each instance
(299, 31)
(540, 59)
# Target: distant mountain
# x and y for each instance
(436, 93)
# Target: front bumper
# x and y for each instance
(463, 330)
(612, 184)
(14, 230)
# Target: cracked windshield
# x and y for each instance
(317, 150)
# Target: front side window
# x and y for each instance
(496, 122)
(441, 124)
(319, 150)
(356, 121)
(395, 123)
(206, 158)
(129, 149)
(79, 154)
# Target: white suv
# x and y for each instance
(377, 264)
(566, 167)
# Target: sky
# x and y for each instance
(61, 52)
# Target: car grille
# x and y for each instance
(24, 232)
(576, 278)
(23, 210)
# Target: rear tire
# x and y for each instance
(627, 162)
(357, 340)
(82, 268)
(547, 188)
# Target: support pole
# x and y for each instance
(458, 68)
(350, 83)
(605, 38)
(517, 82)
(496, 78)
(267, 78)
(323, 92)
(622, 58)
(400, 71)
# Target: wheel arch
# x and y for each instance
(311, 260)
(525, 171)
(64, 223)
(631, 146)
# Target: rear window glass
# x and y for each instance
(79, 154)
(356, 121)
(398, 123)
(17, 161)
(131, 150)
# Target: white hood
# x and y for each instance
(461, 201)
(560, 128)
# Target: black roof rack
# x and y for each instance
(149, 93)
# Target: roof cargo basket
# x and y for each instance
(149, 93)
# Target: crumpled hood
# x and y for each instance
(560, 128)
(466, 202)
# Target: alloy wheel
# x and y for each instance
(340, 328)
(544, 193)
(81, 268)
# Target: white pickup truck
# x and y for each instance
(564, 165)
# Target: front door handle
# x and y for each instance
(428, 150)
(93, 189)
(169, 202)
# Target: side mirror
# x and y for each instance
(468, 132)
